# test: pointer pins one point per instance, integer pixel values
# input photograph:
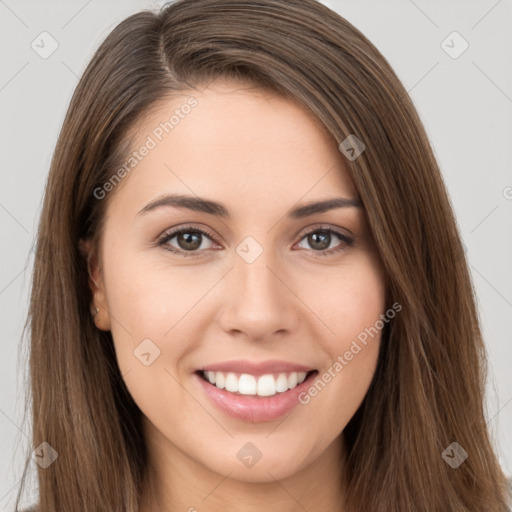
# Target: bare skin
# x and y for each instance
(260, 156)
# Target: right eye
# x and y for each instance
(188, 239)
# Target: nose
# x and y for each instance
(259, 302)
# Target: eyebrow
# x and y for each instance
(219, 210)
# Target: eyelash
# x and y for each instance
(165, 237)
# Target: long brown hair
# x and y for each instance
(428, 389)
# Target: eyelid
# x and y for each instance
(325, 227)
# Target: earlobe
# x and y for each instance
(99, 309)
(101, 318)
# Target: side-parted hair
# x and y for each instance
(429, 387)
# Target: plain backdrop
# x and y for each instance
(463, 97)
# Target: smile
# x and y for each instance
(247, 384)
(255, 392)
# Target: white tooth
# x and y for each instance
(301, 377)
(266, 385)
(231, 383)
(211, 377)
(282, 383)
(247, 384)
(220, 380)
(292, 380)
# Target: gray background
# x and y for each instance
(465, 104)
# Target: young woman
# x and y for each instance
(249, 290)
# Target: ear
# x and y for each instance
(96, 285)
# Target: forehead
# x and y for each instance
(237, 142)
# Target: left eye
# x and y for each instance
(320, 239)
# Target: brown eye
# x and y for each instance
(189, 241)
(320, 239)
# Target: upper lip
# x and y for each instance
(256, 368)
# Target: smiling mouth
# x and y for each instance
(266, 385)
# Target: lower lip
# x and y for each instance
(254, 408)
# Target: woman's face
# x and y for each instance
(263, 299)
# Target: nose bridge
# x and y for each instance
(256, 283)
(259, 303)
(256, 278)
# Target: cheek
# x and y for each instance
(148, 308)
(353, 305)
(149, 297)
(351, 302)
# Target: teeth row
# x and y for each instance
(246, 384)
